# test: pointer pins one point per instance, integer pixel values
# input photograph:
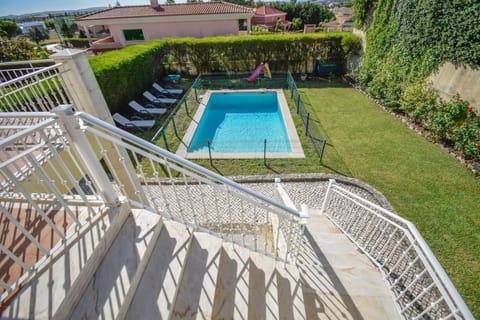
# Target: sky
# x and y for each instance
(16, 7)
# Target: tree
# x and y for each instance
(20, 49)
(68, 29)
(117, 4)
(170, 1)
(308, 12)
(49, 23)
(9, 29)
(296, 23)
(37, 34)
(279, 25)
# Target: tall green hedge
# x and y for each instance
(407, 41)
(125, 73)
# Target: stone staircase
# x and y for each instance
(156, 269)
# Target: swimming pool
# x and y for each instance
(242, 124)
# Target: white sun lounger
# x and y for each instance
(127, 123)
(148, 109)
(161, 89)
(150, 97)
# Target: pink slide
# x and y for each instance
(256, 72)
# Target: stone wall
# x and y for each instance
(451, 79)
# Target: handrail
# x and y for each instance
(28, 75)
(350, 228)
(147, 145)
(26, 62)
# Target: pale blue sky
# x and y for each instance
(30, 6)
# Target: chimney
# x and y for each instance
(154, 3)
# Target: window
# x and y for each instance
(133, 34)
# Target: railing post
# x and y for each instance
(82, 86)
(84, 150)
(327, 193)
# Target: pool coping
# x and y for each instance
(295, 144)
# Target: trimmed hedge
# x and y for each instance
(125, 73)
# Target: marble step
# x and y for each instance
(117, 275)
(155, 293)
(195, 295)
(250, 285)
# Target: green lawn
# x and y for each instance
(422, 182)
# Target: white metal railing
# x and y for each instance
(421, 287)
(49, 165)
(44, 189)
(188, 193)
(15, 69)
(34, 89)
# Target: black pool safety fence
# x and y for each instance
(310, 125)
(170, 134)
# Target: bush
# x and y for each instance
(125, 73)
(77, 42)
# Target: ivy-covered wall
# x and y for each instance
(125, 73)
(407, 40)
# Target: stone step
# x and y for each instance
(111, 283)
(155, 293)
(195, 295)
(231, 299)
(340, 278)
(54, 286)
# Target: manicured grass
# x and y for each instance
(422, 182)
(331, 163)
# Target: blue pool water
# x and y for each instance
(240, 122)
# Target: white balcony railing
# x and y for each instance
(35, 88)
(421, 287)
(52, 166)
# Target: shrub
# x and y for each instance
(418, 101)
(125, 73)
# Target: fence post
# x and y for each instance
(186, 105)
(174, 126)
(306, 123)
(265, 151)
(209, 153)
(165, 140)
(85, 152)
(323, 149)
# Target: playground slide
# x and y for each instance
(256, 72)
(267, 72)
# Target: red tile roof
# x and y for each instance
(180, 9)
(267, 10)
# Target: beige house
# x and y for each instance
(343, 20)
(133, 24)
